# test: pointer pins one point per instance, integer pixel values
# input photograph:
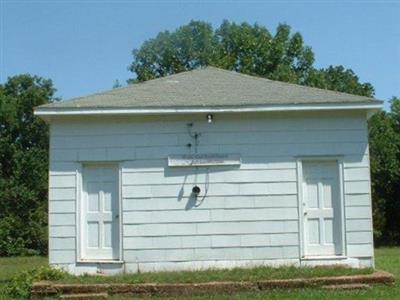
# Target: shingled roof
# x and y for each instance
(207, 87)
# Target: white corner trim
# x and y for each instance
(78, 209)
(151, 111)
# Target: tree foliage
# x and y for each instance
(249, 49)
(384, 136)
(23, 165)
(339, 79)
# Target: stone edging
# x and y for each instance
(44, 288)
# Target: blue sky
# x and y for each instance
(84, 46)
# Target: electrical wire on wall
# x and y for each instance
(206, 187)
(195, 136)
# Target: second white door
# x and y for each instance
(322, 209)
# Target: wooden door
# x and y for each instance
(100, 213)
(321, 209)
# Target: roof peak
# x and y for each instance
(209, 87)
(249, 76)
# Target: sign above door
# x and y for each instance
(204, 160)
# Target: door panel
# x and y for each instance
(322, 209)
(100, 209)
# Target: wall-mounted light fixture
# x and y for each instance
(210, 118)
(196, 191)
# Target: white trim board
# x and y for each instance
(226, 109)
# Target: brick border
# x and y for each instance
(46, 288)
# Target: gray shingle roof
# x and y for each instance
(208, 87)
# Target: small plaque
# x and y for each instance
(203, 160)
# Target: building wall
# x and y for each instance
(250, 214)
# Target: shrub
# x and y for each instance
(20, 285)
(23, 238)
(10, 243)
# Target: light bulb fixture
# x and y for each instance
(209, 118)
(196, 191)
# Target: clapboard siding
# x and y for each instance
(207, 241)
(62, 231)
(60, 194)
(62, 256)
(358, 200)
(139, 204)
(360, 250)
(209, 138)
(61, 219)
(358, 212)
(204, 254)
(360, 237)
(214, 215)
(62, 168)
(260, 150)
(248, 163)
(62, 181)
(356, 161)
(250, 212)
(228, 123)
(62, 212)
(156, 152)
(356, 174)
(211, 228)
(67, 206)
(214, 189)
(62, 243)
(356, 187)
(179, 176)
(358, 225)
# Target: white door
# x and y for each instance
(100, 209)
(322, 209)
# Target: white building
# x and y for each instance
(209, 168)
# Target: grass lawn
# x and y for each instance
(253, 274)
(12, 265)
(386, 259)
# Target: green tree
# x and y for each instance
(384, 137)
(339, 79)
(23, 165)
(249, 49)
(188, 47)
(395, 112)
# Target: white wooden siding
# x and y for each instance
(250, 212)
(222, 202)
(215, 228)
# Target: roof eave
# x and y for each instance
(94, 111)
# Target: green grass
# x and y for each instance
(386, 259)
(253, 274)
(9, 266)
